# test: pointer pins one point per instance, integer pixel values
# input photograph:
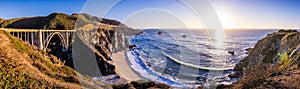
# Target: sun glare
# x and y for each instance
(225, 19)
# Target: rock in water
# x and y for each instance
(159, 32)
(231, 52)
(132, 46)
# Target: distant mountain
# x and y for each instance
(58, 21)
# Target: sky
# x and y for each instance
(274, 14)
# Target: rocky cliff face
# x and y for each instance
(270, 65)
(268, 49)
(104, 40)
(120, 38)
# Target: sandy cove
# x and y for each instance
(123, 67)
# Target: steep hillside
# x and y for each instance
(274, 62)
(268, 49)
(24, 66)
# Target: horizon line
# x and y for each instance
(229, 28)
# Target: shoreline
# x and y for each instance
(123, 68)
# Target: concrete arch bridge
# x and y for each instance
(41, 37)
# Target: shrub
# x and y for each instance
(255, 76)
(290, 30)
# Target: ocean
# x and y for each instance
(190, 58)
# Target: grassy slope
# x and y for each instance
(283, 72)
(23, 66)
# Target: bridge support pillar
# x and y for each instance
(67, 41)
(41, 39)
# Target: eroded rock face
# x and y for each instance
(103, 46)
(113, 40)
(268, 49)
(120, 38)
(105, 39)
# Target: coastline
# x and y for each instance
(123, 67)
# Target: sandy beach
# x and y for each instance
(123, 67)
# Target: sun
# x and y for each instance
(225, 19)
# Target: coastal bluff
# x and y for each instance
(274, 62)
(268, 49)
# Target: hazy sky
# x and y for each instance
(168, 13)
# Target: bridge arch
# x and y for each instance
(50, 36)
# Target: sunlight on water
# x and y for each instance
(219, 42)
(218, 46)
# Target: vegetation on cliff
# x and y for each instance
(58, 21)
(270, 63)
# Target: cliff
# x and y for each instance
(100, 39)
(268, 49)
(274, 62)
